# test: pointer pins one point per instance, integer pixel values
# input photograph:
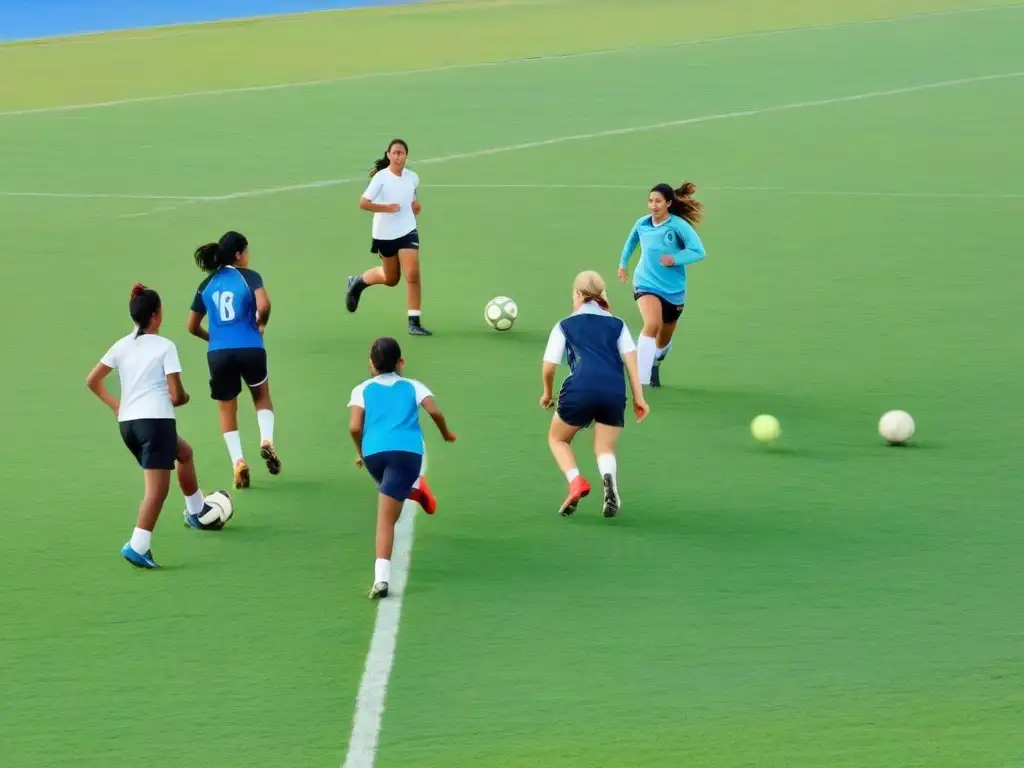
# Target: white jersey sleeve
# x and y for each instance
(422, 393)
(356, 400)
(374, 188)
(171, 362)
(626, 344)
(112, 359)
(555, 350)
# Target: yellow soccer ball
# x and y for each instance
(765, 428)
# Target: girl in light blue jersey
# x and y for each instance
(668, 242)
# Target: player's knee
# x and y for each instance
(652, 328)
(391, 280)
(412, 276)
(184, 452)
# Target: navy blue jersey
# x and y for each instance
(228, 299)
(593, 342)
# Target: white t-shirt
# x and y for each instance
(143, 364)
(386, 188)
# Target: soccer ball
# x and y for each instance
(501, 313)
(217, 511)
(765, 428)
(896, 427)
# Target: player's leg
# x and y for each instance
(225, 386)
(188, 481)
(566, 422)
(256, 376)
(607, 428)
(388, 273)
(670, 319)
(156, 458)
(646, 344)
(396, 473)
(410, 260)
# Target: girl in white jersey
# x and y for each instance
(391, 197)
(151, 389)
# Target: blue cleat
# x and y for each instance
(139, 561)
(656, 374)
(194, 521)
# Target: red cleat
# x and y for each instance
(578, 489)
(424, 497)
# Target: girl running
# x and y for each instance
(391, 197)
(151, 389)
(668, 242)
(598, 346)
(236, 302)
(385, 427)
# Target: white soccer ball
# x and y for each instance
(896, 427)
(501, 313)
(218, 510)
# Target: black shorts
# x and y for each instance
(394, 471)
(230, 367)
(670, 313)
(153, 442)
(581, 409)
(388, 248)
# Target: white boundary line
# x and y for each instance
(373, 688)
(489, 64)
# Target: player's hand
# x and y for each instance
(667, 261)
(394, 208)
(545, 401)
(641, 409)
(623, 275)
(450, 437)
(359, 462)
(185, 397)
(416, 207)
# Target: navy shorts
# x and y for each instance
(388, 248)
(585, 408)
(230, 367)
(153, 442)
(394, 471)
(670, 313)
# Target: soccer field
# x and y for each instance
(826, 601)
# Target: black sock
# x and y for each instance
(414, 319)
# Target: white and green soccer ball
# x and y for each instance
(217, 510)
(501, 313)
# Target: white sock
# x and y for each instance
(266, 421)
(141, 540)
(381, 570)
(414, 313)
(606, 464)
(646, 349)
(194, 503)
(663, 351)
(234, 443)
(572, 474)
(417, 483)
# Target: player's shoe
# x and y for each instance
(269, 455)
(578, 489)
(241, 474)
(424, 497)
(379, 590)
(193, 521)
(612, 502)
(415, 329)
(656, 374)
(139, 561)
(352, 293)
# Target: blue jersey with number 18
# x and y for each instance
(228, 299)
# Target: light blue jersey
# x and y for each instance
(392, 421)
(673, 237)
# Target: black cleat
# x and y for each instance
(379, 590)
(269, 455)
(352, 294)
(415, 329)
(656, 374)
(611, 496)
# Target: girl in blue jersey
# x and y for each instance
(237, 306)
(668, 242)
(599, 350)
(385, 427)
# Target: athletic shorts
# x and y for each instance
(388, 248)
(394, 471)
(230, 367)
(581, 409)
(670, 313)
(153, 442)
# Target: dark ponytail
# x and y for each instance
(142, 307)
(383, 162)
(685, 206)
(213, 256)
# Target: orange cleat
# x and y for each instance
(578, 489)
(424, 497)
(241, 474)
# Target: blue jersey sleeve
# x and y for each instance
(253, 279)
(631, 243)
(694, 248)
(198, 305)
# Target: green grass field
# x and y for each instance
(824, 602)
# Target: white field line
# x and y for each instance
(373, 688)
(488, 64)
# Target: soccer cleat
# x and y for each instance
(193, 521)
(415, 329)
(424, 497)
(139, 561)
(656, 374)
(379, 590)
(241, 474)
(269, 455)
(578, 489)
(612, 502)
(352, 293)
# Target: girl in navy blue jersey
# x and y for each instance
(600, 353)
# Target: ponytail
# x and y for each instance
(208, 257)
(143, 305)
(591, 287)
(224, 253)
(685, 206)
